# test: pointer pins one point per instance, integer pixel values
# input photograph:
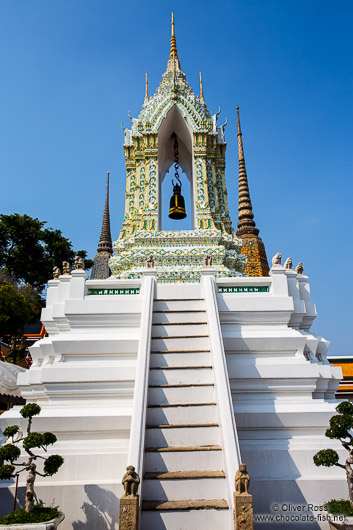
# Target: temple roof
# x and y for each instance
(173, 90)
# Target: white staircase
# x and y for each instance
(184, 481)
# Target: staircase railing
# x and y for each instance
(138, 420)
(225, 405)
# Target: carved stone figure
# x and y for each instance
(131, 482)
(79, 264)
(242, 480)
(299, 268)
(66, 268)
(276, 260)
(207, 260)
(150, 262)
(56, 273)
(288, 264)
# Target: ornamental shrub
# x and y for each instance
(340, 429)
(11, 453)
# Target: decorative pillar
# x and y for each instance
(243, 501)
(129, 502)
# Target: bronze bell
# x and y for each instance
(177, 204)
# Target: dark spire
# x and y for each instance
(253, 246)
(105, 240)
(246, 224)
(100, 269)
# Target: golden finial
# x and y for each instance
(240, 140)
(173, 63)
(146, 92)
(202, 99)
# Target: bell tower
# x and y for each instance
(175, 112)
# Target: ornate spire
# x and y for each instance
(253, 246)
(173, 62)
(105, 241)
(202, 99)
(246, 224)
(146, 91)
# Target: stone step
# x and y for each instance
(179, 305)
(180, 375)
(177, 394)
(183, 449)
(188, 291)
(180, 359)
(216, 504)
(179, 343)
(178, 435)
(184, 488)
(179, 330)
(180, 414)
(176, 317)
(186, 515)
(173, 475)
(195, 458)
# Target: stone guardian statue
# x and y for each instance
(276, 260)
(288, 264)
(131, 482)
(79, 264)
(66, 268)
(56, 273)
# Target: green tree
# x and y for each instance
(341, 426)
(17, 309)
(10, 452)
(19, 306)
(29, 250)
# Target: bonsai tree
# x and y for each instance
(11, 452)
(340, 426)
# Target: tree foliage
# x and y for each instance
(29, 250)
(11, 430)
(18, 307)
(52, 464)
(341, 426)
(10, 452)
(326, 457)
(29, 410)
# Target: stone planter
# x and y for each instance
(48, 525)
(346, 525)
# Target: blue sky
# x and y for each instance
(71, 70)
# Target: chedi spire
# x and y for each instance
(100, 269)
(105, 240)
(246, 224)
(253, 247)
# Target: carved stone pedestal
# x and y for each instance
(243, 511)
(129, 513)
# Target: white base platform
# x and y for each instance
(83, 377)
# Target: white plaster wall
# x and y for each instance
(282, 390)
(83, 376)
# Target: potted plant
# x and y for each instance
(50, 517)
(341, 425)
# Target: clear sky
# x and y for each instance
(72, 69)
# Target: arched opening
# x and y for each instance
(175, 123)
